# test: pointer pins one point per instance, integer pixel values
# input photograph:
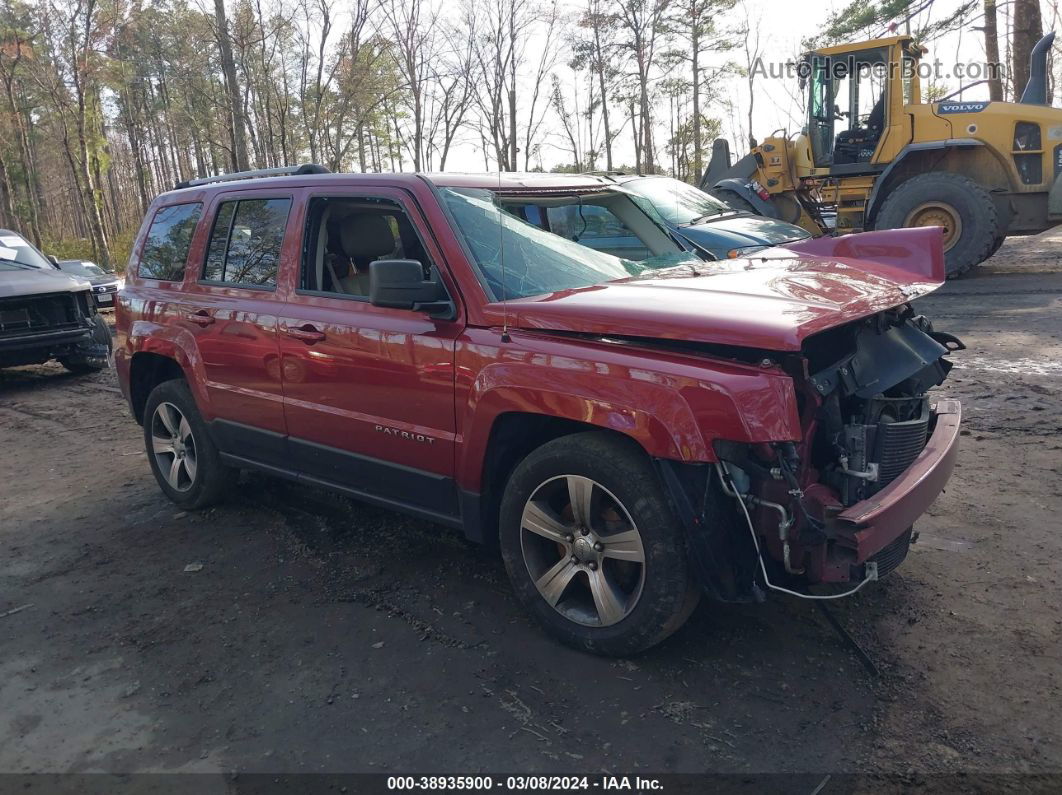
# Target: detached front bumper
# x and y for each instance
(863, 530)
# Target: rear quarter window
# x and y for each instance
(166, 248)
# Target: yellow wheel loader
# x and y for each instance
(874, 156)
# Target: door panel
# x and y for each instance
(237, 340)
(369, 398)
(230, 306)
(368, 391)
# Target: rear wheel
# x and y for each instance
(182, 455)
(961, 207)
(592, 546)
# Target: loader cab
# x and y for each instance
(854, 97)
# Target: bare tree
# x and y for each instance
(413, 30)
(1028, 28)
(451, 92)
(569, 121)
(505, 30)
(991, 30)
(594, 47)
(694, 23)
(642, 23)
(750, 45)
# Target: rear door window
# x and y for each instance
(166, 247)
(245, 242)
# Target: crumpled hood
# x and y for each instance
(772, 301)
(37, 282)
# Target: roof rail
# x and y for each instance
(282, 171)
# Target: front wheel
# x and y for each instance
(94, 355)
(593, 548)
(962, 208)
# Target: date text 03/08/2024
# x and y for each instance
(633, 784)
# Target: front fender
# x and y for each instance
(674, 405)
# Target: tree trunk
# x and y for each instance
(7, 208)
(637, 138)
(25, 161)
(132, 129)
(752, 101)
(600, 57)
(1028, 28)
(361, 148)
(695, 47)
(647, 125)
(79, 194)
(995, 84)
(512, 130)
(228, 68)
(90, 194)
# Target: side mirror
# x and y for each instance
(53, 259)
(400, 284)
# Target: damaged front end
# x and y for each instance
(839, 505)
(66, 325)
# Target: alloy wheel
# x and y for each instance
(173, 446)
(583, 551)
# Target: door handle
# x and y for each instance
(307, 334)
(200, 318)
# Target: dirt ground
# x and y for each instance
(325, 635)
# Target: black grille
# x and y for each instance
(899, 444)
(893, 555)
(38, 313)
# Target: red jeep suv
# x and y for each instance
(632, 431)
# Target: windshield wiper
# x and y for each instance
(702, 218)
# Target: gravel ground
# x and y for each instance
(324, 635)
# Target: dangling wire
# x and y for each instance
(724, 476)
(581, 218)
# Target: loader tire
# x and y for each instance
(735, 200)
(961, 206)
(996, 244)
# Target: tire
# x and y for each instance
(632, 591)
(734, 199)
(942, 195)
(82, 365)
(95, 360)
(181, 453)
(996, 244)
